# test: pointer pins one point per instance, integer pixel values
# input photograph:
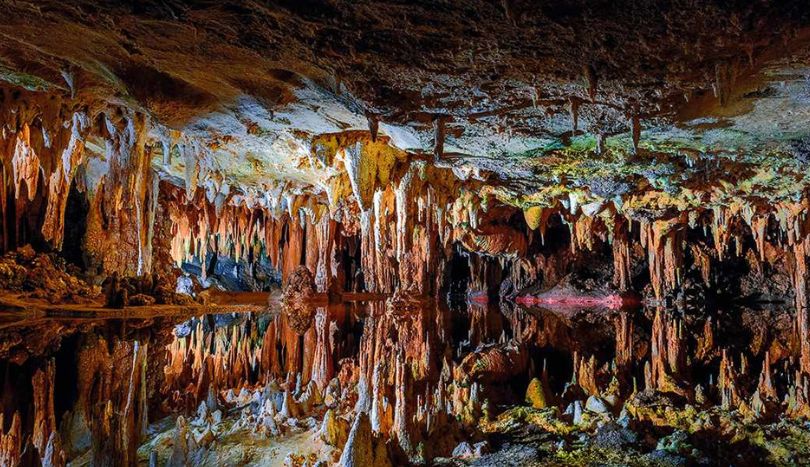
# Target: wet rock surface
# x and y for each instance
(404, 233)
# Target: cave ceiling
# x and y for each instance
(653, 104)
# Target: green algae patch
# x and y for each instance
(24, 80)
(591, 455)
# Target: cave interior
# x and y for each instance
(386, 232)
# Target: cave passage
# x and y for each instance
(384, 233)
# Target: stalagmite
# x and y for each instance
(334, 429)
(360, 449)
(536, 395)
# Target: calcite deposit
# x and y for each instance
(464, 232)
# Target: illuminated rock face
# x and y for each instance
(373, 193)
(616, 196)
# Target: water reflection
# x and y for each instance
(109, 391)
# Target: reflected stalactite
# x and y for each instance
(45, 429)
(727, 382)
(624, 344)
(11, 441)
(667, 355)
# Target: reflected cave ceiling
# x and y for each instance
(654, 104)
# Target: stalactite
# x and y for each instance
(401, 428)
(25, 164)
(621, 254)
(800, 291)
(758, 224)
(586, 374)
(724, 77)
(404, 195)
(582, 233)
(373, 125)
(704, 263)
(361, 171)
(536, 216)
(325, 236)
(439, 136)
(765, 387)
(705, 341)
(663, 241)
(53, 227)
(721, 229)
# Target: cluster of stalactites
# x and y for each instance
(108, 418)
(409, 213)
(201, 228)
(664, 239)
(42, 145)
(45, 149)
(46, 439)
(403, 211)
(405, 234)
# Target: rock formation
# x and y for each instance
(392, 234)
